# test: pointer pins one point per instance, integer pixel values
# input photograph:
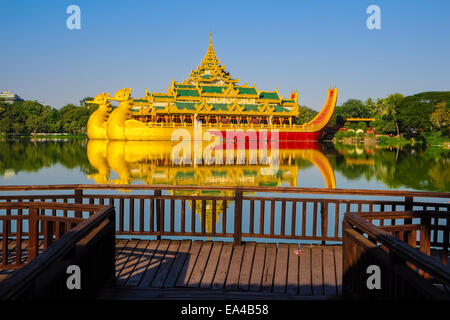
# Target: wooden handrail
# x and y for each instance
(400, 248)
(393, 193)
(52, 227)
(56, 256)
(50, 206)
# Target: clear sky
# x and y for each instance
(303, 45)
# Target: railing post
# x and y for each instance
(237, 217)
(159, 214)
(324, 220)
(48, 233)
(33, 234)
(347, 261)
(424, 244)
(78, 198)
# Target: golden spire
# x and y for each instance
(210, 56)
(210, 70)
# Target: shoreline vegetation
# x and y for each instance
(423, 118)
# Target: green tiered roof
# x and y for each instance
(269, 95)
(185, 105)
(209, 84)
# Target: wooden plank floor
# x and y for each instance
(185, 269)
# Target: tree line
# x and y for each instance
(31, 117)
(423, 113)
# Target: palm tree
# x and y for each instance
(389, 107)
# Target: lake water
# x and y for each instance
(311, 165)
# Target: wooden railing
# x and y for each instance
(309, 214)
(406, 268)
(426, 230)
(41, 239)
(25, 228)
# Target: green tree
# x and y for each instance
(305, 115)
(415, 111)
(389, 108)
(352, 108)
(74, 119)
(440, 118)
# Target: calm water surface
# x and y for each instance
(316, 165)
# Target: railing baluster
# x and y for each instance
(193, 216)
(304, 219)
(336, 220)
(141, 214)
(293, 217)
(131, 213)
(5, 243)
(78, 199)
(203, 219)
(213, 217)
(261, 217)
(162, 216)
(237, 217)
(315, 217)
(152, 215)
(252, 216)
(172, 215)
(324, 220)
(183, 215)
(121, 215)
(33, 233)
(224, 215)
(48, 233)
(18, 241)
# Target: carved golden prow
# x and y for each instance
(96, 127)
(115, 127)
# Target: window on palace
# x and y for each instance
(176, 119)
(201, 119)
(161, 119)
(212, 120)
(276, 121)
(264, 120)
(233, 120)
(285, 121)
(255, 120)
(188, 119)
(244, 120)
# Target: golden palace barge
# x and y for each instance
(210, 97)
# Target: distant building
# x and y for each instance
(9, 97)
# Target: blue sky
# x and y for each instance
(302, 45)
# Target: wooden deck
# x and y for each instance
(185, 269)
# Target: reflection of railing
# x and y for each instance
(41, 239)
(405, 271)
(235, 212)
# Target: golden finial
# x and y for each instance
(210, 38)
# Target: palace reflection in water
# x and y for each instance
(153, 163)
